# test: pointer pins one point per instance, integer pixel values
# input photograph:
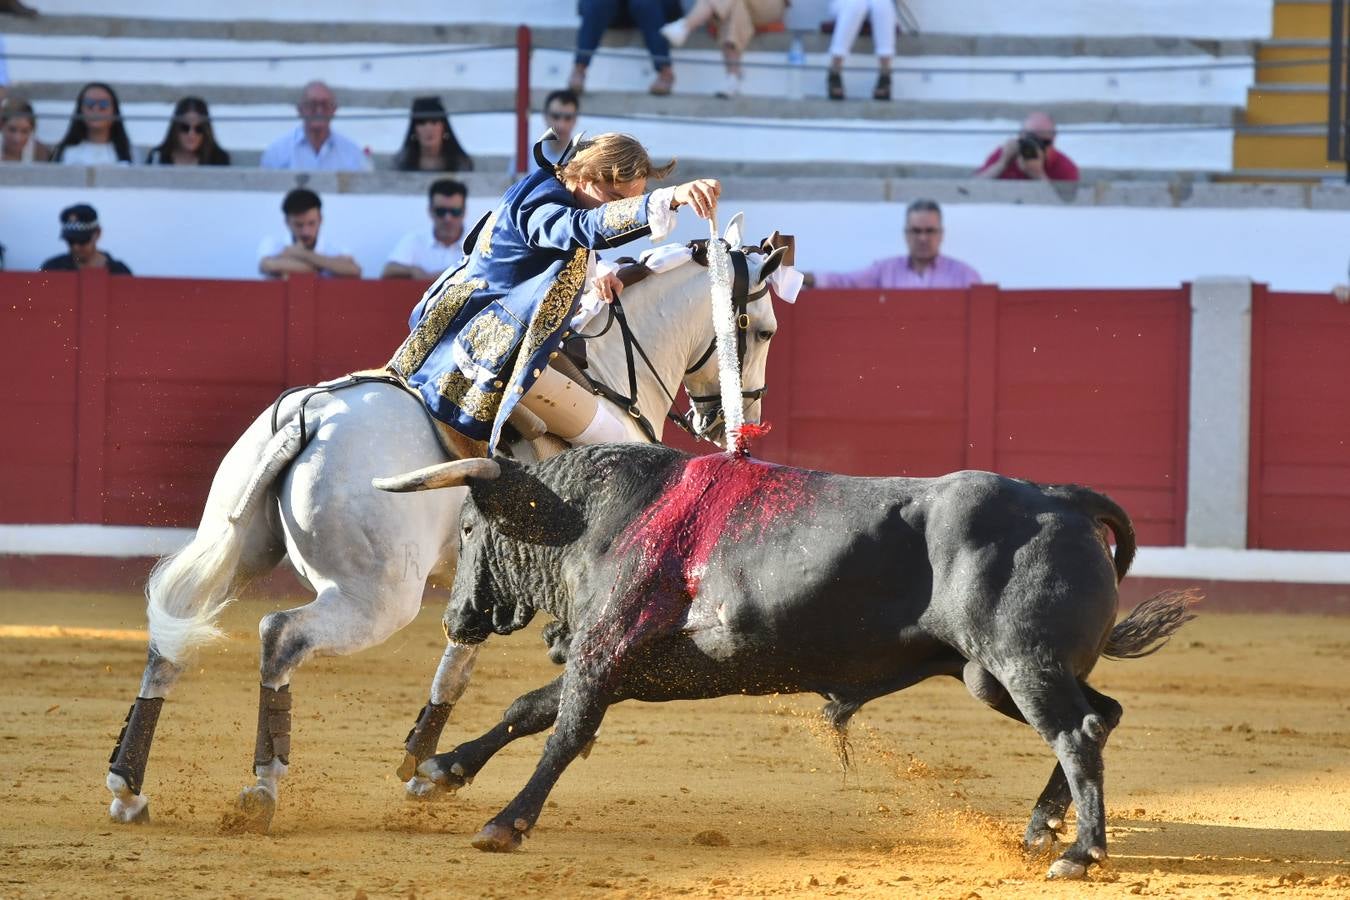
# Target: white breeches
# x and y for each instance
(849, 19)
(572, 412)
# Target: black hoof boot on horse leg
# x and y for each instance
(271, 754)
(126, 766)
(421, 742)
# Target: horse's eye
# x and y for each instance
(765, 335)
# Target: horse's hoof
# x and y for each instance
(256, 808)
(419, 787)
(133, 812)
(1066, 869)
(497, 839)
(408, 768)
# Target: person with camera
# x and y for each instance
(1032, 155)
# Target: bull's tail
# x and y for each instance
(1108, 512)
(1151, 624)
(188, 589)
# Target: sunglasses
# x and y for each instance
(443, 211)
(79, 240)
(924, 231)
(561, 116)
(186, 127)
(97, 104)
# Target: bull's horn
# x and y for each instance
(450, 474)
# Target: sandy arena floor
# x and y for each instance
(1230, 776)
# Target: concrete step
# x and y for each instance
(1286, 104)
(616, 103)
(1294, 148)
(1302, 19)
(1282, 176)
(559, 37)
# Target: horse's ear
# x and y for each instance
(772, 263)
(735, 230)
(773, 240)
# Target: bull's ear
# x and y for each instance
(735, 231)
(455, 473)
(772, 263)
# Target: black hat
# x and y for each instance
(428, 108)
(78, 222)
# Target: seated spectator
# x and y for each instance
(647, 15)
(17, 124)
(430, 144)
(190, 140)
(96, 135)
(561, 109)
(302, 252)
(924, 267)
(1030, 155)
(736, 23)
(848, 21)
(313, 145)
(80, 230)
(425, 255)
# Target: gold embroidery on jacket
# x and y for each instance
(490, 339)
(475, 402)
(419, 343)
(622, 215)
(485, 236)
(553, 311)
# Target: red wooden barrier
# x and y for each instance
(1299, 490)
(131, 389)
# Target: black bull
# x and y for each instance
(677, 578)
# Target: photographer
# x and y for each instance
(1030, 155)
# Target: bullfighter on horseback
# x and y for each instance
(484, 332)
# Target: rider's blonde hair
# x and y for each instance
(613, 157)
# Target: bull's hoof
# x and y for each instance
(496, 838)
(446, 774)
(1066, 870)
(1042, 836)
(256, 807)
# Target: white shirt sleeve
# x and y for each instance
(402, 253)
(270, 246)
(660, 216)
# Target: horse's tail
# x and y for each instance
(188, 589)
(1151, 625)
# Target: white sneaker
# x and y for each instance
(676, 32)
(731, 87)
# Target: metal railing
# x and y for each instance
(1338, 111)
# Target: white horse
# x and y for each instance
(297, 484)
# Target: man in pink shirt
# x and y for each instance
(1032, 155)
(924, 267)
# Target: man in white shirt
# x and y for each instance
(425, 255)
(304, 252)
(313, 145)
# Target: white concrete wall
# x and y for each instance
(216, 234)
(1191, 18)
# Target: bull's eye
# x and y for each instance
(765, 335)
(468, 528)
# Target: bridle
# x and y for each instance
(741, 298)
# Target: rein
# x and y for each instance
(740, 298)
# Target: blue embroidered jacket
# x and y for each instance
(484, 331)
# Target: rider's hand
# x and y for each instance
(701, 195)
(607, 286)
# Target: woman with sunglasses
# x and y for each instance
(190, 140)
(484, 332)
(430, 144)
(95, 136)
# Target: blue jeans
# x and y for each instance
(647, 15)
